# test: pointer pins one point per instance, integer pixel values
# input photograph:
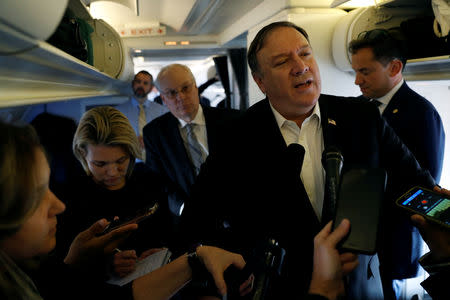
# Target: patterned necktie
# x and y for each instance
(194, 148)
(142, 120)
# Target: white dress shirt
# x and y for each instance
(387, 98)
(311, 138)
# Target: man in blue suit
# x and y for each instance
(378, 58)
(166, 139)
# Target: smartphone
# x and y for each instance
(141, 216)
(360, 198)
(431, 205)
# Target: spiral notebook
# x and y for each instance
(144, 266)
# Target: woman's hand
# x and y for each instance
(87, 246)
(124, 262)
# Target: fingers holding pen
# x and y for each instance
(124, 262)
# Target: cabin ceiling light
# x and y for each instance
(170, 43)
(133, 5)
(137, 51)
(354, 3)
(184, 43)
(139, 59)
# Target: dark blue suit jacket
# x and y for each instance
(167, 156)
(418, 124)
(265, 200)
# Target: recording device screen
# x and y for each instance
(141, 216)
(432, 205)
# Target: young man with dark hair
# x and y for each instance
(378, 59)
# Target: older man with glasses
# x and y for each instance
(178, 142)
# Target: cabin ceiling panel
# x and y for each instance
(181, 54)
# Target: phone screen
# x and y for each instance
(427, 203)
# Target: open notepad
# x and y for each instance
(144, 266)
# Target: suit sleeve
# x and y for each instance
(433, 143)
(399, 247)
(400, 163)
(152, 158)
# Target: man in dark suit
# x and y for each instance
(166, 138)
(378, 58)
(272, 196)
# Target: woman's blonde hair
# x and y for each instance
(105, 125)
(18, 197)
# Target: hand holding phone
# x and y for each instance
(139, 218)
(433, 206)
(437, 238)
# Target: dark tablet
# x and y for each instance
(360, 198)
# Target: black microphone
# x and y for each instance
(332, 161)
(272, 262)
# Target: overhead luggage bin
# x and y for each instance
(434, 65)
(33, 71)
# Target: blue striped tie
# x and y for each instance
(194, 148)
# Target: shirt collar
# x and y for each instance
(281, 120)
(136, 102)
(386, 98)
(199, 118)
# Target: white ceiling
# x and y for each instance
(201, 17)
(199, 21)
(210, 25)
(183, 17)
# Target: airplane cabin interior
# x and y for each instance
(64, 57)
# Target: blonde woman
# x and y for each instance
(28, 219)
(106, 146)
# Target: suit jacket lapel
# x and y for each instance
(210, 127)
(267, 126)
(180, 155)
(331, 127)
(396, 102)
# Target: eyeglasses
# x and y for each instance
(185, 89)
(373, 34)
